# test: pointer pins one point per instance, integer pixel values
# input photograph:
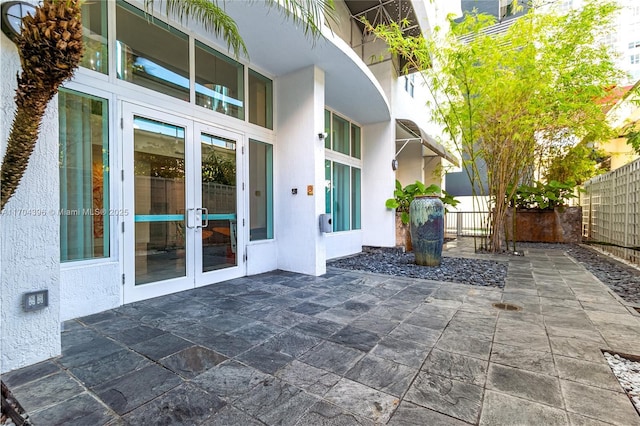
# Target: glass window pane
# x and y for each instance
(260, 100)
(260, 190)
(219, 236)
(219, 82)
(84, 176)
(159, 189)
(355, 198)
(94, 36)
(151, 54)
(327, 186)
(327, 129)
(341, 197)
(340, 135)
(355, 141)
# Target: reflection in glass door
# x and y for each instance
(180, 180)
(159, 191)
(219, 203)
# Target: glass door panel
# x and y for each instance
(181, 180)
(219, 203)
(159, 193)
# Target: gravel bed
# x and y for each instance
(628, 373)
(452, 269)
(623, 279)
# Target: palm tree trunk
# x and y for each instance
(50, 48)
(22, 140)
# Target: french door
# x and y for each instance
(182, 188)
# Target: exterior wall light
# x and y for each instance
(394, 164)
(12, 13)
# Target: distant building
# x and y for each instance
(501, 9)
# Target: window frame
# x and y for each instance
(343, 159)
(269, 196)
(114, 184)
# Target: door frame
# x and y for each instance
(193, 277)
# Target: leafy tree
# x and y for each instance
(578, 164)
(498, 95)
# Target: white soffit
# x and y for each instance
(278, 46)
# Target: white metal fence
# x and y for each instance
(466, 224)
(611, 211)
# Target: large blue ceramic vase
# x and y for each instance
(427, 229)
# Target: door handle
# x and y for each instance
(205, 217)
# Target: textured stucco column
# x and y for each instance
(299, 162)
(29, 236)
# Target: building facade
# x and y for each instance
(167, 164)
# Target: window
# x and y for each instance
(84, 176)
(634, 44)
(565, 6)
(355, 141)
(260, 100)
(94, 36)
(151, 54)
(260, 191)
(635, 59)
(219, 82)
(355, 198)
(409, 84)
(340, 135)
(342, 195)
(327, 129)
(343, 172)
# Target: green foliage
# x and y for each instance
(578, 164)
(219, 170)
(632, 132)
(498, 95)
(543, 195)
(402, 197)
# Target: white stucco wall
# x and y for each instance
(341, 244)
(378, 183)
(29, 237)
(89, 289)
(262, 256)
(300, 162)
(410, 163)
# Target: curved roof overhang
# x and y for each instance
(409, 131)
(278, 46)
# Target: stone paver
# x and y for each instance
(347, 348)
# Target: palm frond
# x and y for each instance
(310, 14)
(212, 17)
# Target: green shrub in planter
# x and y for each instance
(402, 197)
(543, 196)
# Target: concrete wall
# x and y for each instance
(29, 237)
(378, 183)
(410, 164)
(341, 244)
(262, 256)
(88, 288)
(300, 153)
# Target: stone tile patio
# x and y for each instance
(347, 348)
